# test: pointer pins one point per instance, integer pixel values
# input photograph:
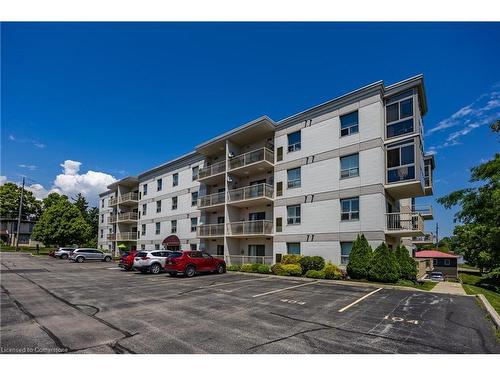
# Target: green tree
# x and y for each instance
(62, 224)
(407, 266)
(385, 266)
(81, 203)
(10, 195)
(478, 234)
(360, 258)
(53, 198)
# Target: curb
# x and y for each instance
(487, 305)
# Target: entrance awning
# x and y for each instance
(172, 240)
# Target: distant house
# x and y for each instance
(441, 262)
(8, 231)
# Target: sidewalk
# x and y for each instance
(449, 288)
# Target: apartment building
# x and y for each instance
(308, 184)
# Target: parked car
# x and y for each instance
(84, 254)
(151, 261)
(63, 252)
(127, 260)
(191, 262)
(436, 276)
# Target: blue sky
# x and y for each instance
(80, 101)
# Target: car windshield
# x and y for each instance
(175, 254)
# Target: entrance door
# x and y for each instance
(256, 253)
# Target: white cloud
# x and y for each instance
(71, 167)
(32, 141)
(27, 166)
(39, 191)
(3, 180)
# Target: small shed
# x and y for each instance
(441, 262)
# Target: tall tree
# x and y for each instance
(81, 203)
(53, 198)
(10, 195)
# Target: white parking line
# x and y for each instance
(280, 290)
(359, 300)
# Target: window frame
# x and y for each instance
(157, 228)
(288, 248)
(193, 228)
(398, 100)
(143, 229)
(195, 201)
(159, 184)
(173, 228)
(158, 206)
(399, 146)
(350, 212)
(175, 179)
(294, 146)
(349, 169)
(343, 256)
(196, 175)
(349, 127)
(144, 209)
(145, 189)
(295, 183)
(447, 262)
(174, 206)
(296, 219)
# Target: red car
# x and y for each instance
(191, 262)
(127, 260)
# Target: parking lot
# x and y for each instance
(50, 305)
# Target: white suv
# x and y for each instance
(151, 261)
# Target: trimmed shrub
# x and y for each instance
(385, 266)
(315, 263)
(233, 267)
(313, 274)
(277, 269)
(360, 259)
(407, 266)
(250, 267)
(287, 269)
(332, 272)
(263, 268)
(291, 259)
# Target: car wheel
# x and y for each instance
(190, 271)
(172, 274)
(155, 269)
(107, 259)
(220, 269)
(64, 256)
(80, 259)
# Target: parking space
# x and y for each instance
(97, 307)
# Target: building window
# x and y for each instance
(194, 198)
(195, 172)
(157, 246)
(102, 203)
(158, 206)
(349, 209)
(293, 214)
(159, 184)
(349, 124)
(174, 203)
(143, 229)
(173, 226)
(279, 224)
(447, 262)
(193, 247)
(157, 229)
(279, 154)
(143, 247)
(399, 114)
(144, 209)
(279, 189)
(294, 140)
(102, 233)
(293, 248)
(102, 220)
(345, 250)
(294, 180)
(349, 166)
(175, 179)
(145, 189)
(401, 162)
(194, 223)
(434, 262)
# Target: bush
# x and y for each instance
(263, 268)
(407, 266)
(250, 267)
(315, 263)
(291, 259)
(360, 259)
(332, 272)
(287, 269)
(385, 267)
(313, 274)
(470, 279)
(233, 267)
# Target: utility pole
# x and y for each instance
(437, 233)
(19, 217)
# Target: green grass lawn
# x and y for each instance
(11, 249)
(422, 285)
(467, 266)
(492, 297)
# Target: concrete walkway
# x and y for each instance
(449, 288)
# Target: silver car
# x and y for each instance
(64, 252)
(151, 261)
(84, 254)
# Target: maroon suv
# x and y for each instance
(191, 262)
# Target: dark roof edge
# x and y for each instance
(182, 160)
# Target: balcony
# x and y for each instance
(125, 217)
(210, 230)
(126, 236)
(259, 194)
(128, 198)
(428, 180)
(209, 201)
(113, 201)
(252, 162)
(404, 224)
(212, 172)
(427, 239)
(112, 237)
(250, 228)
(425, 211)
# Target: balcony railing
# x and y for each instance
(255, 227)
(113, 201)
(210, 230)
(251, 157)
(211, 170)
(126, 216)
(405, 221)
(112, 236)
(427, 237)
(128, 197)
(243, 259)
(251, 192)
(211, 200)
(423, 210)
(126, 236)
